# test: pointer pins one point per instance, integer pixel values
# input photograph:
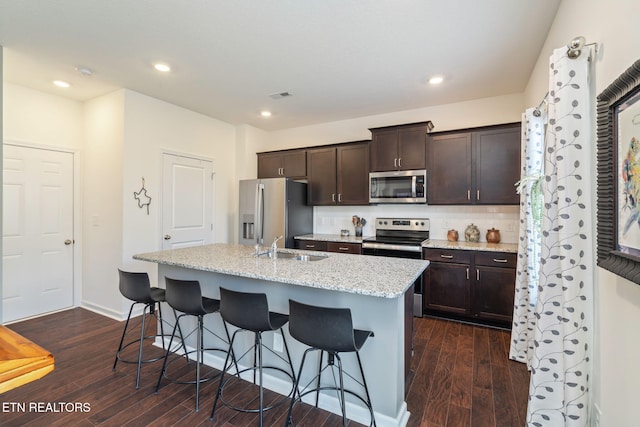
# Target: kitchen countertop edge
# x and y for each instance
(471, 246)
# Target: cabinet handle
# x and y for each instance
(467, 273)
(399, 162)
(340, 197)
(310, 246)
(343, 249)
(446, 256)
(395, 162)
(333, 197)
(500, 260)
(468, 194)
(477, 274)
(477, 194)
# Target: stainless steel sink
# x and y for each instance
(310, 257)
(295, 256)
(284, 255)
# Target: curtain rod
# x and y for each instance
(574, 49)
(537, 111)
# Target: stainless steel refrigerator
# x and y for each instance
(271, 208)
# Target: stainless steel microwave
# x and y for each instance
(398, 187)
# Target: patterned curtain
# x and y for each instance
(562, 333)
(526, 294)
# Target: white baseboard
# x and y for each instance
(105, 311)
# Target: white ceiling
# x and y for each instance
(339, 59)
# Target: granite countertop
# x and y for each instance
(384, 277)
(471, 246)
(331, 238)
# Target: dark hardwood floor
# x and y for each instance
(462, 378)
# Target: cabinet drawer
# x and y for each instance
(447, 255)
(311, 245)
(496, 259)
(345, 248)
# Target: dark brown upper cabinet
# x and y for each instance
(282, 164)
(339, 175)
(474, 167)
(399, 147)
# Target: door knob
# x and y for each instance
(68, 242)
(167, 237)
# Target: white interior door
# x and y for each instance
(187, 201)
(37, 231)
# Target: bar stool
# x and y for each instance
(136, 287)
(327, 330)
(186, 297)
(250, 312)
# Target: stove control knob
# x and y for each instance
(422, 223)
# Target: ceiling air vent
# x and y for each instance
(280, 95)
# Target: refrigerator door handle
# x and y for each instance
(259, 213)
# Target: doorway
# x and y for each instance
(187, 201)
(38, 231)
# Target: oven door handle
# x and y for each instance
(388, 247)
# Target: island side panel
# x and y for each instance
(383, 356)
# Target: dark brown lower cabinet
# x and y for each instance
(345, 248)
(447, 288)
(321, 245)
(469, 285)
(311, 245)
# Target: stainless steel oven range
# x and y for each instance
(401, 238)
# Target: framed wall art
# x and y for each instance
(618, 182)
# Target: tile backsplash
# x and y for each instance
(332, 219)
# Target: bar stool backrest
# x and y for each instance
(135, 286)
(324, 328)
(245, 310)
(185, 296)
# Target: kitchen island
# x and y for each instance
(378, 290)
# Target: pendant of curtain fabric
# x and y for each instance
(529, 239)
(562, 332)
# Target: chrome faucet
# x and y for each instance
(274, 247)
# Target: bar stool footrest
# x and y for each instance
(179, 357)
(279, 402)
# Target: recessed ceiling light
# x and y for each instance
(265, 113)
(436, 80)
(61, 83)
(164, 68)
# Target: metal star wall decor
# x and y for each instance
(142, 197)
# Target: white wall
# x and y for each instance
(151, 127)
(479, 112)
(613, 24)
(102, 200)
(36, 117)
